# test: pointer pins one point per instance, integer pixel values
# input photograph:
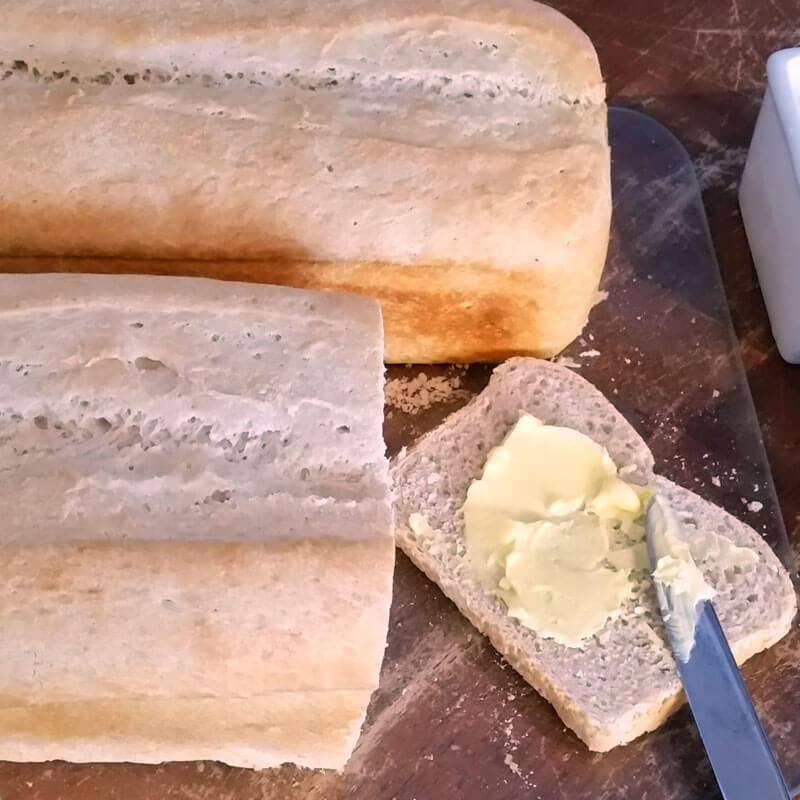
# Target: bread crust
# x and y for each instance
(195, 524)
(453, 165)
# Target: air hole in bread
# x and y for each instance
(143, 362)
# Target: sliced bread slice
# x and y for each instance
(623, 682)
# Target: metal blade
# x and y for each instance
(735, 742)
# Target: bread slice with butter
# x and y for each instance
(622, 682)
(196, 552)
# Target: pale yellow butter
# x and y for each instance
(554, 531)
(677, 571)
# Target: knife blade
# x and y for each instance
(737, 747)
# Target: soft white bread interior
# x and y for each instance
(450, 161)
(197, 544)
(623, 681)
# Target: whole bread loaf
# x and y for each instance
(623, 681)
(196, 552)
(450, 160)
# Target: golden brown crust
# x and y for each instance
(431, 313)
(290, 726)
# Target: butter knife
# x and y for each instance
(737, 747)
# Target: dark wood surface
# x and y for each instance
(451, 720)
(698, 66)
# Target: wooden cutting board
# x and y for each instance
(451, 719)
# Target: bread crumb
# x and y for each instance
(715, 393)
(412, 395)
(755, 505)
(716, 481)
(590, 354)
(566, 361)
(512, 765)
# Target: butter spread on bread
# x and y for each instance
(549, 526)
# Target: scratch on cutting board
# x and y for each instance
(440, 658)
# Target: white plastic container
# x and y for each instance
(769, 197)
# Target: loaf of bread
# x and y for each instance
(623, 681)
(449, 159)
(196, 552)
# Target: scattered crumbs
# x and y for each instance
(455, 748)
(627, 360)
(412, 395)
(733, 470)
(755, 506)
(590, 354)
(509, 732)
(512, 765)
(566, 361)
(428, 757)
(715, 393)
(705, 456)
(693, 320)
(591, 337)
(510, 697)
(756, 487)
(716, 481)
